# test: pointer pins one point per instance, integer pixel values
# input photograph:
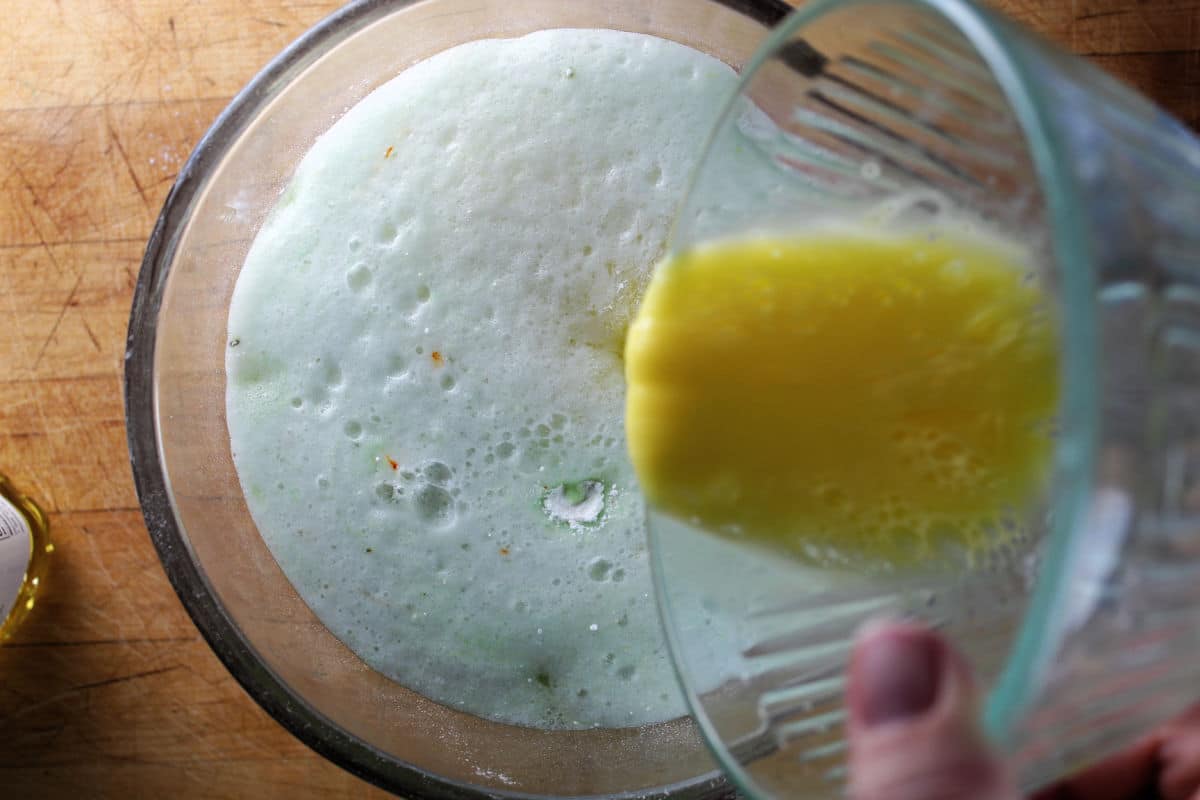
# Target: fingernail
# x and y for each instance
(895, 675)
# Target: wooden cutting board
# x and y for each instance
(109, 691)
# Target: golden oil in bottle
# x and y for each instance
(25, 550)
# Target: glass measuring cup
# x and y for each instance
(1085, 633)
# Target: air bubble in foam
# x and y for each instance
(397, 366)
(434, 506)
(388, 231)
(332, 374)
(438, 473)
(358, 276)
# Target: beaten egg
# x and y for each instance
(866, 397)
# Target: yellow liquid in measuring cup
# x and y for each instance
(847, 396)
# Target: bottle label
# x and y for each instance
(16, 544)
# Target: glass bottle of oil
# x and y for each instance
(25, 550)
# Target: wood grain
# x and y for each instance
(108, 691)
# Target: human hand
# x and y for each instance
(913, 734)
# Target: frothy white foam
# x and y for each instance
(425, 397)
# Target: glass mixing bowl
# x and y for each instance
(1084, 631)
(175, 395)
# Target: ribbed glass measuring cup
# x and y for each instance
(1086, 632)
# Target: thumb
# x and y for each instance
(912, 721)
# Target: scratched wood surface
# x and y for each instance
(108, 691)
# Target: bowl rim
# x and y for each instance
(141, 415)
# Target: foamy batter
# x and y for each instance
(425, 386)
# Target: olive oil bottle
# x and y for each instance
(25, 550)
